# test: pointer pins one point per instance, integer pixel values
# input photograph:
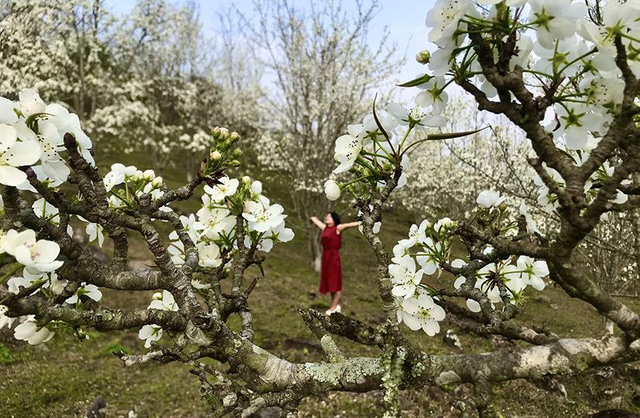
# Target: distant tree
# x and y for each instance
(443, 175)
(150, 68)
(59, 48)
(323, 72)
(166, 101)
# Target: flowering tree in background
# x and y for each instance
(579, 73)
(445, 175)
(59, 49)
(152, 68)
(239, 75)
(166, 87)
(324, 74)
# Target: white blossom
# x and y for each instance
(332, 190)
(209, 255)
(347, 151)
(36, 256)
(30, 102)
(444, 17)
(405, 277)
(30, 332)
(95, 232)
(489, 198)
(556, 19)
(150, 334)
(89, 290)
(215, 222)
(422, 312)
(533, 271)
(14, 154)
(226, 187)
(262, 219)
(163, 301)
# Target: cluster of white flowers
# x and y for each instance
(39, 258)
(515, 277)
(371, 147)
(568, 47)
(132, 183)
(39, 261)
(31, 134)
(570, 52)
(429, 246)
(212, 229)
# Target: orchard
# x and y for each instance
(560, 75)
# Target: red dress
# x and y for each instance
(331, 274)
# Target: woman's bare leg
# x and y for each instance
(335, 299)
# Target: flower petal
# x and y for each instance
(11, 176)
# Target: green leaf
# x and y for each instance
(375, 117)
(416, 81)
(442, 136)
(450, 135)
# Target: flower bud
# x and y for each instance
(236, 153)
(246, 179)
(224, 132)
(234, 136)
(423, 57)
(148, 175)
(157, 182)
(234, 163)
(444, 223)
(332, 190)
(215, 155)
(137, 176)
(216, 132)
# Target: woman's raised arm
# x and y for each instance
(318, 222)
(342, 227)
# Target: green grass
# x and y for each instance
(64, 376)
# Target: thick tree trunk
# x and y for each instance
(315, 248)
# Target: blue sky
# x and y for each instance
(403, 18)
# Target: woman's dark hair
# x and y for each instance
(335, 217)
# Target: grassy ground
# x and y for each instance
(64, 376)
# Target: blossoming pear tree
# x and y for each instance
(565, 81)
(570, 85)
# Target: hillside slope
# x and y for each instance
(64, 376)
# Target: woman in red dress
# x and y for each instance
(331, 274)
